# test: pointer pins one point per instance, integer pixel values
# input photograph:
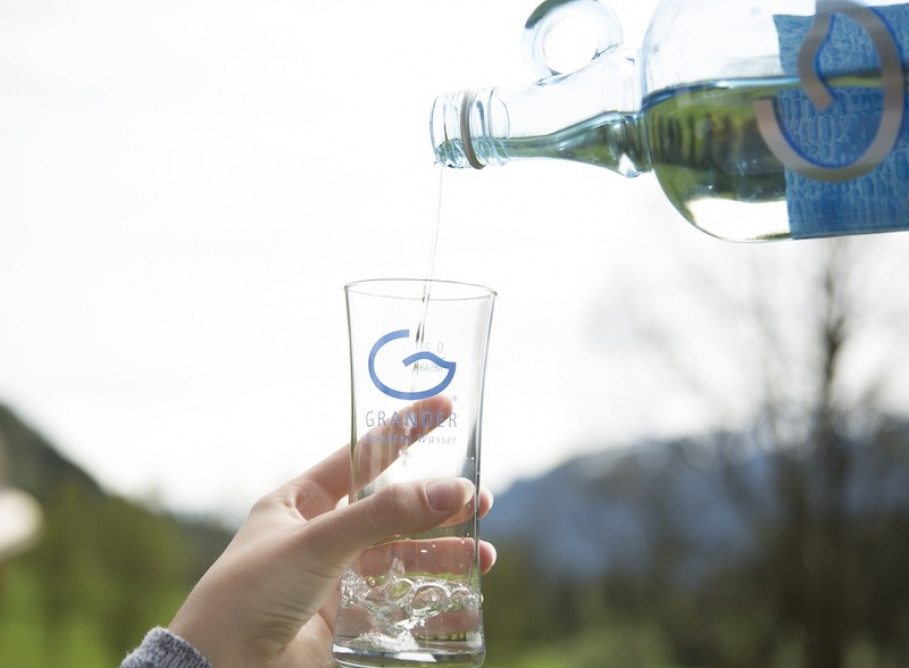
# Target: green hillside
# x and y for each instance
(104, 570)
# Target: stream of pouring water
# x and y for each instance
(420, 332)
(427, 285)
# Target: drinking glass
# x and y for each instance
(417, 360)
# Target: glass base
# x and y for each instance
(439, 655)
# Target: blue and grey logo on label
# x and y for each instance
(422, 356)
(849, 52)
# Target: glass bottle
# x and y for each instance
(761, 120)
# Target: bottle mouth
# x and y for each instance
(450, 131)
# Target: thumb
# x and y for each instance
(400, 509)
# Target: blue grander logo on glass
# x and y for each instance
(407, 361)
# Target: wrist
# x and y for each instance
(195, 629)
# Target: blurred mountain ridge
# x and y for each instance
(30, 462)
(607, 512)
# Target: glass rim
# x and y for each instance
(416, 288)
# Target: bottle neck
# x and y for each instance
(460, 124)
(589, 116)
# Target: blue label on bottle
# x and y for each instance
(843, 134)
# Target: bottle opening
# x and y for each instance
(450, 130)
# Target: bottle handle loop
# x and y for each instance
(597, 19)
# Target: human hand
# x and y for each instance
(270, 600)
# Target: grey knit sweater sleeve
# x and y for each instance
(163, 649)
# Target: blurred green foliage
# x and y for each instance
(642, 621)
(104, 571)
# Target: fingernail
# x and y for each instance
(449, 494)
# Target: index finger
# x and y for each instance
(320, 488)
(381, 446)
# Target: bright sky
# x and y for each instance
(185, 187)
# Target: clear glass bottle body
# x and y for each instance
(763, 120)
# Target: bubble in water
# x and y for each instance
(398, 589)
(459, 599)
(397, 603)
(428, 600)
